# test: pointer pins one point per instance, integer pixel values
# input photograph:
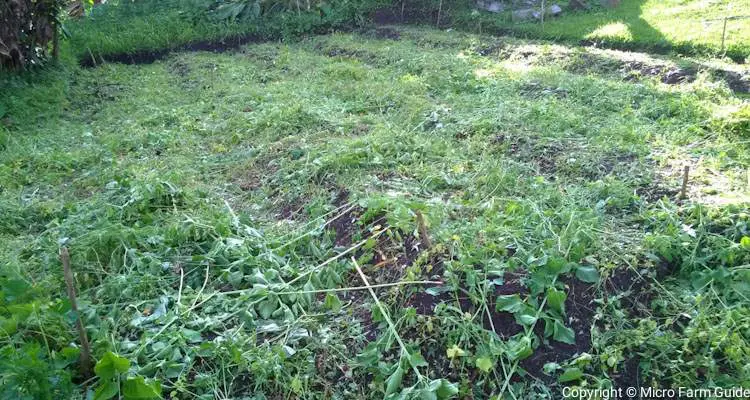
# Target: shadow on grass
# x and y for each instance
(629, 16)
(622, 28)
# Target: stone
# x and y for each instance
(554, 10)
(495, 7)
(491, 6)
(578, 5)
(526, 14)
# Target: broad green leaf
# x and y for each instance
(235, 278)
(111, 365)
(266, 308)
(416, 360)
(332, 302)
(296, 385)
(454, 351)
(106, 390)
(519, 348)
(137, 389)
(510, 303)
(308, 288)
(745, 242)
(570, 374)
(556, 300)
(173, 369)
(446, 389)
(550, 367)
(427, 394)
(393, 383)
(549, 323)
(526, 319)
(229, 10)
(557, 265)
(485, 364)
(583, 360)
(563, 333)
(191, 336)
(587, 273)
(68, 355)
(8, 326)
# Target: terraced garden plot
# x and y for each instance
(515, 204)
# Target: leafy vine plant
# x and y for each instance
(434, 389)
(248, 10)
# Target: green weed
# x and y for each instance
(212, 203)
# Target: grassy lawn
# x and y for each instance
(686, 26)
(692, 27)
(145, 26)
(217, 206)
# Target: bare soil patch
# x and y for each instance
(150, 56)
(631, 66)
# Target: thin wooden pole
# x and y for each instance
(391, 325)
(70, 284)
(56, 41)
(440, 10)
(685, 178)
(544, 9)
(422, 227)
(724, 37)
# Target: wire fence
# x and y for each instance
(724, 31)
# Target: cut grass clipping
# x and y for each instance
(347, 216)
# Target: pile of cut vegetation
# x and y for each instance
(396, 212)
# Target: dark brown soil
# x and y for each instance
(638, 292)
(385, 32)
(353, 54)
(391, 254)
(291, 209)
(179, 68)
(345, 226)
(536, 90)
(629, 374)
(657, 191)
(386, 16)
(149, 56)
(737, 82)
(668, 74)
(491, 49)
(580, 309)
(587, 62)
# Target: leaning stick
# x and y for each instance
(69, 283)
(387, 318)
(423, 230)
(354, 288)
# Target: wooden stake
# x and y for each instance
(422, 227)
(384, 313)
(544, 9)
(56, 42)
(724, 37)
(685, 178)
(70, 284)
(440, 10)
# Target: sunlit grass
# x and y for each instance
(693, 26)
(615, 30)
